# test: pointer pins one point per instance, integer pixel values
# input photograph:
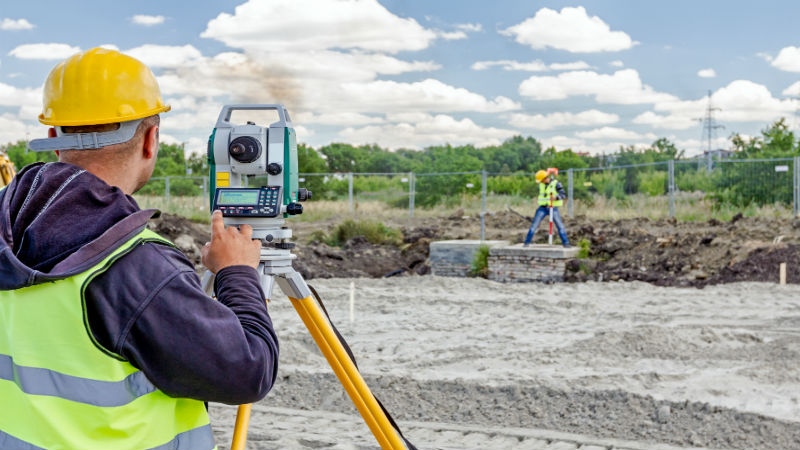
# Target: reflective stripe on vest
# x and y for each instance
(60, 389)
(545, 191)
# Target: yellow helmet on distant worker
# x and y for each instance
(100, 86)
(540, 175)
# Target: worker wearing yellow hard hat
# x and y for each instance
(551, 197)
(110, 338)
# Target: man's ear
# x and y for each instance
(150, 144)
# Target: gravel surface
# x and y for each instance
(710, 368)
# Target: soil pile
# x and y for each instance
(662, 252)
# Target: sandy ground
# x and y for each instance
(469, 363)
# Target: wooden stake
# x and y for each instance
(783, 273)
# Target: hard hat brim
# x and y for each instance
(103, 121)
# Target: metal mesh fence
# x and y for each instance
(660, 189)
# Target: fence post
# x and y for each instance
(166, 188)
(483, 205)
(205, 187)
(570, 205)
(671, 187)
(350, 190)
(411, 189)
(796, 186)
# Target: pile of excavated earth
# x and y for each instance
(663, 252)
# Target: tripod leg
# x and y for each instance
(344, 368)
(240, 429)
(243, 412)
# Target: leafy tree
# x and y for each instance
(21, 156)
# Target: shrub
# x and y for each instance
(584, 248)
(480, 264)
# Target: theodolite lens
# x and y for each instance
(245, 149)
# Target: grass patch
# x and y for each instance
(374, 232)
(480, 264)
(584, 244)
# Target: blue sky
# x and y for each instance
(590, 75)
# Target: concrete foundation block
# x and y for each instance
(454, 258)
(535, 263)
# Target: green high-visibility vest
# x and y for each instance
(61, 389)
(545, 191)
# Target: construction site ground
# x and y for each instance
(474, 364)
(694, 357)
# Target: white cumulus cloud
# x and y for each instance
(12, 129)
(49, 51)
(571, 29)
(147, 21)
(615, 133)
(15, 25)
(788, 59)
(355, 24)
(452, 35)
(550, 121)
(616, 63)
(793, 89)
(532, 66)
(670, 122)
(341, 118)
(29, 100)
(470, 27)
(706, 73)
(428, 130)
(165, 55)
(623, 87)
(739, 101)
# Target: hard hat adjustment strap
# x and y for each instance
(86, 141)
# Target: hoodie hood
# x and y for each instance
(58, 220)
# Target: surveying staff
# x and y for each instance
(548, 187)
(107, 339)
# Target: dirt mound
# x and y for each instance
(186, 235)
(762, 265)
(359, 258)
(663, 252)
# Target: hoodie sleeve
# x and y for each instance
(150, 309)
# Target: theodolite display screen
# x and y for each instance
(238, 197)
(253, 202)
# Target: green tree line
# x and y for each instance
(731, 183)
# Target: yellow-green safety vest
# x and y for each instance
(60, 389)
(545, 191)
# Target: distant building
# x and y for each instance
(709, 156)
(718, 154)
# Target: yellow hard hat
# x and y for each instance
(540, 175)
(100, 86)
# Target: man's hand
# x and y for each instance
(230, 246)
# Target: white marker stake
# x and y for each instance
(352, 301)
(783, 273)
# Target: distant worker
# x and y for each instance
(107, 339)
(550, 189)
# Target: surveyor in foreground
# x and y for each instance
(106, 338)
(551, 196)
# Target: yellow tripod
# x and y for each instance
(276, 265)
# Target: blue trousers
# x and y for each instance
(541, 213)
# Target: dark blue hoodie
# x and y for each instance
(58, 220)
